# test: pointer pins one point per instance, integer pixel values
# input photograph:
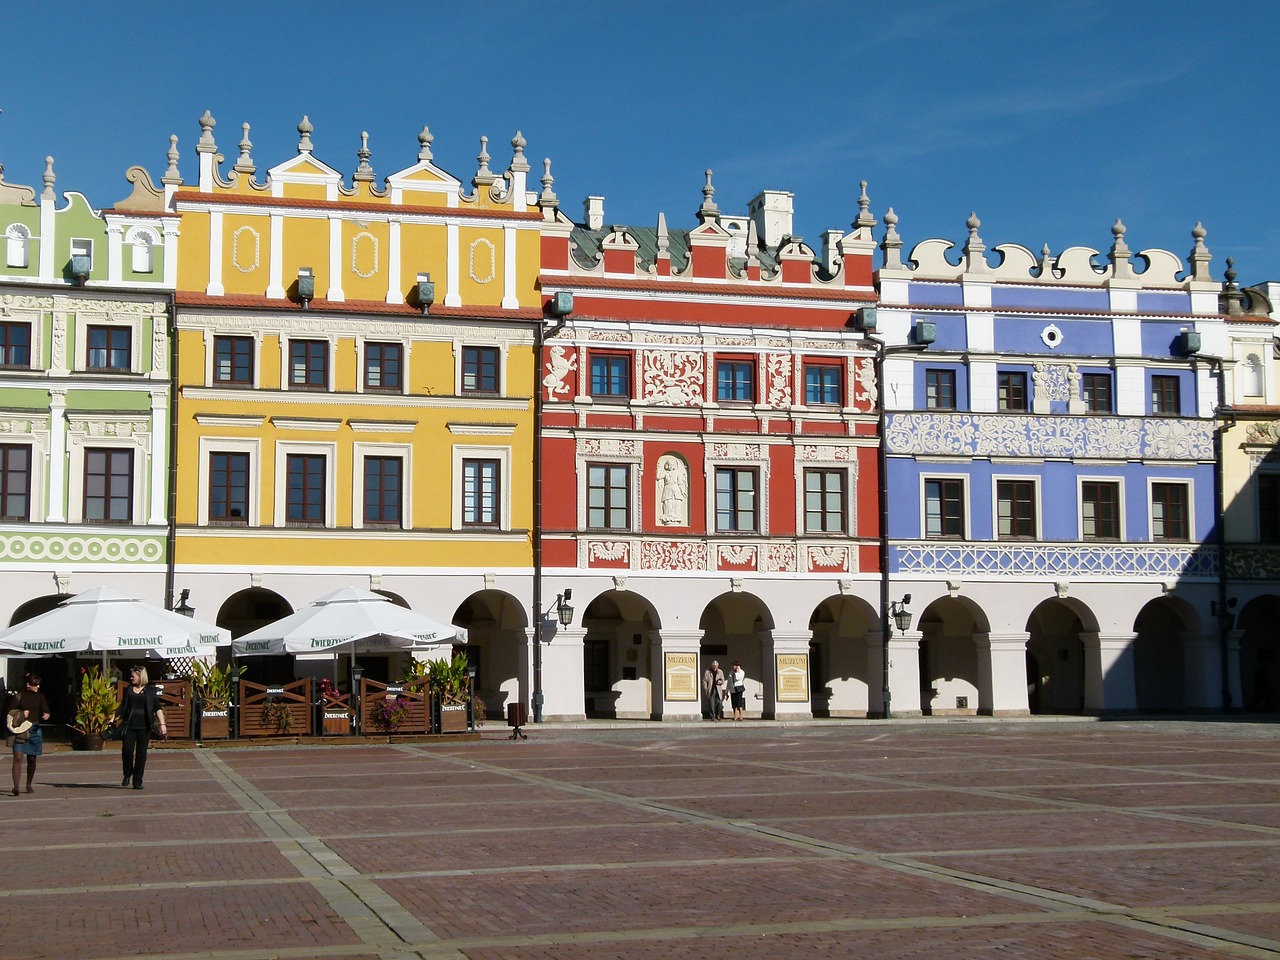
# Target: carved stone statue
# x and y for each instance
(673, 492)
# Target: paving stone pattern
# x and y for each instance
(1081, 841)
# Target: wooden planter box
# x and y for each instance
(372, 693)
(256, 699)
(453, 718)
(336, 715)
(215, 724)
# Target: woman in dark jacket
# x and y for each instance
(36, 709)
(139, 705)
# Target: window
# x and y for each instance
(1269, 507)
(735, 500)
(608, 497)
(83, 248)
(382, 490)
(109, 348)
(481, 492)
(229, 488)
(1012, 391)
(940, 389)
(309, 364)
(824, 503)
(610, 375)
(1165, 401)
(735, 380)
(1169, 512)
(233, 360)
(305, 494)
(1096, 390)
(821, 385)
(15, 482)
(383, 366)
(479, 369)
(108, 486)
(1099, 510)
(15, 344)
(1016, 509)
(944, 508)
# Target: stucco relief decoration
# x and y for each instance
(370, 258)
(22, 427)
(83, 549)
(868, 394)
(735, 451)
(778, 382)
(740, 555)
(1265, 433)
(1059, 436)
(1176, 440)
(830, 558)
(1003, 436)
(245, 249)
(59, 335)
(159, 345)
(610, 447)
(561, 364)
(672, 377)
(812, 453)
(1113, 438)
(482, 267)
(931, 434)
(608, 550)
(672, 496)
(666, 555)
(1256, 563)
(1051, 336)
(679, 339)
(1057, 561)
(1056, 381)
(779, 557)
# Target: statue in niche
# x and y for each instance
(673, 492)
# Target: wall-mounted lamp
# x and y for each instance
(306, 285)
(81, 266)
(426, 292)
(1225, 615)
(564, 611)
(901, 615)
(561, 304)
(865, 319)
(184, 608)
(924, 333)
(1187, 342)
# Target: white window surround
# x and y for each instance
(850, 470)
(286, 344)
(1081, 480)
(996, 479)
(285, 448)
(75, 482)
(37, 495)
(18, 246)
(211, 445)
(500, 345)
(634, 462)
(403, 342)
(964, 479)
(84, 322)
(503, 456)
(401, 451)
(81, 247)
(1191, 508)
(210, 355)
(761, 466)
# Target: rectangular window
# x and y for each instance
(481, 493)
(1169, 519)
(824, 501)
(735, 500)
(1165, 401)
(15, 482)
(383, 363)
(1016, 509)
(15, 344)
(940, 389)
(610, 375)
(479, 369)
(229, 488)
(110, 348)
(608, 497)
(735, 380)
(382, 490)
(233, 360)
(944, 508)
(1100, 510)
(108, 486)
(306, 493)
(1269, 507)
(309, 364)
(821, 385)
(1096, 392)
(1012, 391)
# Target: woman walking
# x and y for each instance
(33, 707)
(137, 710)
(738, 690)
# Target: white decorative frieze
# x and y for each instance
(828, 557)
(609, 447)
(1056, 381)
(735, 451)
(609, 550)
(1146, 561)
(739, 554)
(673, 555)
(778, 381)
(824, 453)
(671, 377)
(780, 557)
(364, 254)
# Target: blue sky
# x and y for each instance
(1048, 120)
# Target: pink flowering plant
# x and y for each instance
(388, 713)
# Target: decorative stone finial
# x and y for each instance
(49, 178)
(171, 173)
(1120, 252)
(364, 169)
(708, 209)
(975, 262)
(664, 237)
(865, 219)
(1200, 255)
(206, 144)
(973, 223)
(304, 135)
(484, 176)
(1232, 298)
(245, 163)
(425, 139)
(518, 161)
(891, 245)
(548, 197)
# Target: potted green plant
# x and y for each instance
(451, 689)
(215, 688)
(96, 705)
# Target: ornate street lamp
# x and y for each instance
(183, 607)
(564, 611)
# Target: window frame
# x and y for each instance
(1011, 389)
(1157, 485)
(1117, 484)
(736, 491)
(610, 491)
(476, 472)
(474, 356)
(1089, 380)
(369, 365)
(9, 475)
(382, 522)
(8, 347)
(213, 487)
(111, 455)
(110, 349)
(960, 499)
(283, 451)
(234, 341)
(617, 368)
(735, 366)
(1166, 401)
(825, 513)
(307, 462)
(823, 369)
(935, 380)
(1021, 496)
(290, 362)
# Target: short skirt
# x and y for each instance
(34, 745)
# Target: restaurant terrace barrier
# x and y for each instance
(394, 708)
(275, 711)
(175, 701)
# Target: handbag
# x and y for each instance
(156, 733)
(114, 733)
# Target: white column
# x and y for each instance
(171, 235)
(1002, 674)
(688, 644)
(335, 258)
(275, 280)
(57, 457)
(509, 299)
(875, 672)
(563, 681)
(159, 458)
(452, 298)
(1109, 680)
(1233, 669)
(394, 293)
(215, 289)
(1202, 671)
(904, 675)
(48, 242)
(115, 253)
(772, 646)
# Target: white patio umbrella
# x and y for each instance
(104, 620)
(348, 620)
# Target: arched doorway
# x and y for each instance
(1056, 656)
(55, 672)
(1160, 655)
(839, 657)
(496, 626)
(734, 627)
(246, 611)
(616, 681)
(950, 675)
(1260, 655)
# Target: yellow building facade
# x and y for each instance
(355, 363)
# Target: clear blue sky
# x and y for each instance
(1048, 120)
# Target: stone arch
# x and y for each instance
(738, 626)
(497, 638)
(395, 598)
(1161, 652)
(1260, 654)
(36, 606)
(842, 673)
(621, 628)
(951, 674)
(54, 670)
(1056, 655)
(246, 611)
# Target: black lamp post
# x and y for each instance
(564, 611)
(184, 608)
(471, 694)
(901, 617)
(357, 672)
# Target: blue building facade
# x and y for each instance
(1051, 476)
